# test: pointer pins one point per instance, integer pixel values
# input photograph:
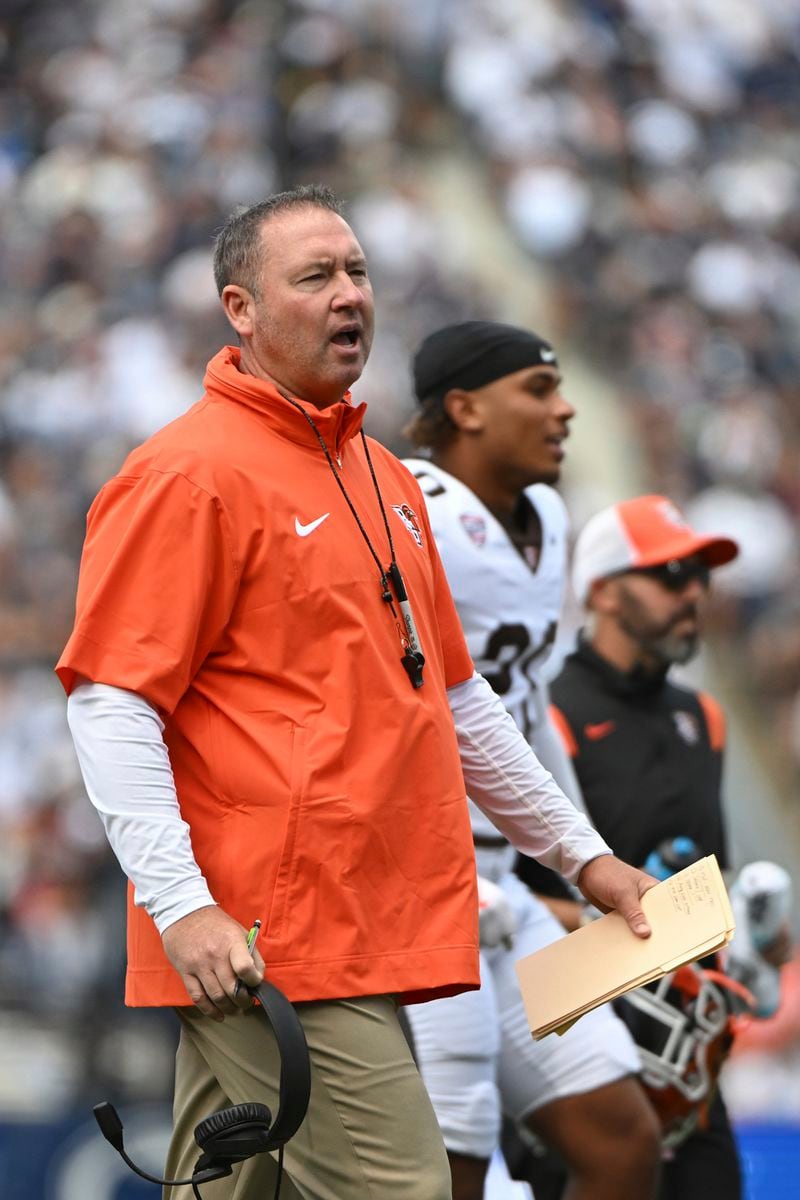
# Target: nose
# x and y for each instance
(694, 589)
(347, 293)
(565, 410)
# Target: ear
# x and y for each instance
(603, 596)
(465, 410)
(239, 308)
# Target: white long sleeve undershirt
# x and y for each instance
(520, 797)
(126, 769)
(128, 777)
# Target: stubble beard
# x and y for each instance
(657, 641)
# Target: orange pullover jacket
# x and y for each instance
(224, 579)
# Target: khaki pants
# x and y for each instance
(370, 1132)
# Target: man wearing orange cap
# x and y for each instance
(648, 751)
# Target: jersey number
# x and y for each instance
(509, 652)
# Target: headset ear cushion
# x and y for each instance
(228, 1119)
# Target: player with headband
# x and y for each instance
(493, 419)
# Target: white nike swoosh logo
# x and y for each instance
(547, 355)
(305, 530)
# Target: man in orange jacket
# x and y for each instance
(275, 714)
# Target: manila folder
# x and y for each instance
(690, 916)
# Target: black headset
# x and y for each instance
(234, 1134)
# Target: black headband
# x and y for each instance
(475, 353)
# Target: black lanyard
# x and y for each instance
(391, 579)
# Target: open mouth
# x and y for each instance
(346, 337)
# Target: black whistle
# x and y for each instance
(413, 663)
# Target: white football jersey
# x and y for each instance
(509, 610)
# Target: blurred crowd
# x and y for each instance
(648, 151)
(644, 153)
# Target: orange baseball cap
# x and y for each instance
(644, 532)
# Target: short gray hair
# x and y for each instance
(237, 246)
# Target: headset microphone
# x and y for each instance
(107, 1118)
(237, 1133)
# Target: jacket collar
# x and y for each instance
(337, 424)
(622, 683)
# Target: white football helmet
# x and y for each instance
(684, 1028)
(761, 899)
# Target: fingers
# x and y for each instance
(611, 884)
(250, 974)
(217, 991)
(636, 919)
(209, 951)
(630, 903)
(221, 994)
(207, 997)
(249, 968)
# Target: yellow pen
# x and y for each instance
(251, 942)
(252, 935)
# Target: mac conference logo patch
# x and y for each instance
(409, 519)
(474, 527)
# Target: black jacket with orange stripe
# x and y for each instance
(648, 755)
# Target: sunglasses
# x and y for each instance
(677, 573)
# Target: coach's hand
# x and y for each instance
(209, 951)
(608, 882)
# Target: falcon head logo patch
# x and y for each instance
(409, 519)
